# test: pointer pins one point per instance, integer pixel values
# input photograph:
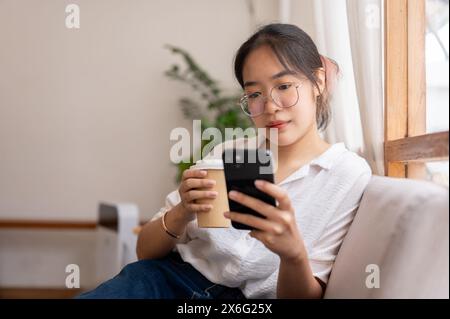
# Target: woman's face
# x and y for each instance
(263, 71)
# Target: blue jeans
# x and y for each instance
(166, 278)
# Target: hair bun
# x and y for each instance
(331, 72)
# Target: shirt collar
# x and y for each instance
(328, 158)
(325, 161)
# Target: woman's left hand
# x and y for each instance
(278, 231)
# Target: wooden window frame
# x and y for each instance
(407, 146)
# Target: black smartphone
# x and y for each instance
(242, 167)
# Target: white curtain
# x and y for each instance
(350, 32)
(366, 40)
(332, 40)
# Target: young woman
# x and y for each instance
(318, 187)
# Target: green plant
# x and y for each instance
(212, 105)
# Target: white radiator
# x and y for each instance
(116, 244)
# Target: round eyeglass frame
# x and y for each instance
(297, 85)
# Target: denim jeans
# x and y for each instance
(166, 278)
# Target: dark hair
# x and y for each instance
(295, 50)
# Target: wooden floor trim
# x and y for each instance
(39, 293)
(46, 224)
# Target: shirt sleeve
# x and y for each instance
(326, 248)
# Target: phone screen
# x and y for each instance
(242, 167)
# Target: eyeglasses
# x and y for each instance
(283, 95)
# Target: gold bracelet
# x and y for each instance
(165, 227)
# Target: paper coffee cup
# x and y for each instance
(214, 218)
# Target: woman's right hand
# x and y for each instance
(195, 186)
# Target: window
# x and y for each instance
(416, 95)
(436, 60)
(437, 78)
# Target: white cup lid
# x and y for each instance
(208, 164)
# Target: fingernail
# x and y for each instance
(211, 182)
(226, 214)
(213, 194)
(259, 183)
(203, 173)
(233, 194)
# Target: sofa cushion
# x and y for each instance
(401, 227)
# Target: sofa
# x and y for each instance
(397, 245)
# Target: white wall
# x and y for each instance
(85, 115)
(30, 258)
(302, 15)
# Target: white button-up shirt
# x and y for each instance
(325, 195)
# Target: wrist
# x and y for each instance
(180, 214)
(295, 259)
(174, 222)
